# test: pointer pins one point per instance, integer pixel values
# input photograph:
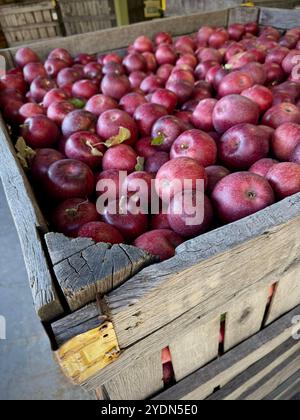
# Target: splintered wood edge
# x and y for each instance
(85, 269)
(87, 354)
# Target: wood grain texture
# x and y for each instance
(117, 38)
(85, 269)
(243, 15)
(245, 318)
(31, 226)
(287, 294)
(138, 382)
(287, 390)
(195, 349)
(198, 385)
(284, 19)
(211, 268)
(255, 376)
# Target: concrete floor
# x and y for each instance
(27, 368)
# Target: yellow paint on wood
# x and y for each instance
(87, 354)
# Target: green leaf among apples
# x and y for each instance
(124, 135)
(25, 153)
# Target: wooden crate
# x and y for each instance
(28, 22)
(109, 332)
(87, 16)
(185, 7)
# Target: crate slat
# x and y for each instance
(245, 318)
(282, 19)
(287, 390)
(139, 382)
(195, 348)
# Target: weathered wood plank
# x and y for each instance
(279, 18)
(233, 363)
(117, 38)
(195, 349)
(31, 226)
(287, 390)
(245, 318)
(84, 269)
(138, 382)
(243, 15)
(287, 294)
(209, 268)
(252, 378)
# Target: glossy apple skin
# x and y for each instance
(78, 120)
(165, 54)
(101, 232)
(135, 62)
(182, 209)
(165, 98)
(130, 102)
(235, 83)
(241, 194)
(277, 55)
(180, 169)
(121, 157)
(144, 147)
(132, 185)
(285, 140)
(61, 54)
(58, 111)
(40, 86)
(280, 114)
(285, 179)
(69, 178)
(67, 76)
(196, 145)
(156, 161)
(146, 115)
(160, 221)
(295, 157)
(275, 73)
(31, 110)
(182, 89)
(143, 44)
(263, 166)
(72, 214)
(130, 225)
(203, 115)
(53, 66)
(93, 71)
(170, 128)
(161, 243)
(243, 145)
(214, 174)
(99, 104)
(233, 110)
(79, 146)
(256, 71)
(136, 78)
(55, 95)
(14, 81)
(115, 86)
(85, 89)
(25, 56)
(40, 132)
(41, 163)
(110, 122)
(33, 70)
(261, 95)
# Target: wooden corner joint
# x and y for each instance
(87, 354)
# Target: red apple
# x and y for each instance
(41, 163)
(58, 111)
(156, 161)
(190, 214)
(67, 76)
(33, 70)
(277, 55)
(261, 95)
(285, 179)
(13, 81)
(204, 34)
(182, 89)
(130, 102)
(285, 140)
(188, 60)
(109, 58)
(24, 56)
(203, 115)
(257, 71)
(40, 132)
(163, 38)
(144, 147)
(243, 145)
(275, 74)
(296, 155)
(31, 110)
(165, 54)
(11, 112)
(143, 44)
(178, 75)
(110, 183)
(139, 183)
(218, 38)
(290, 61)
(53, 66)
(203, 68)
(214, 174)
(98, 104)
(197, 145)
(262, 166)
(93, 71)
(69, 217)
(121, 157)
(78, 120)
(130, 223)
(40, 86)
(280, 114)
(160, 221)
(151, 62)
(115, 86)
(161, 243)
(238, 61)
(241, 194)
(84, 59)
(252, 28)
(165, 71)
(55, 95)
(110, 122)
(85, 147)
(113, 68)
(136, 79)
(146, 115)
(101, 232)
(135, 62)
(234, 49)
(61, 54)
(173, 177)
(236, 31)
(233, 110)
(85, 89)
(165, 98)
(235, 83)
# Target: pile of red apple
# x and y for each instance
(222, 106)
